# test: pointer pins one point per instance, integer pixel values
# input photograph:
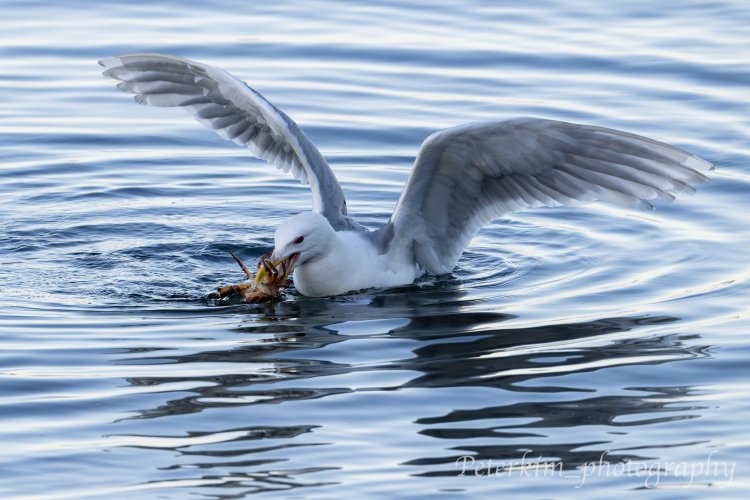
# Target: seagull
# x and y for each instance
(463, 177)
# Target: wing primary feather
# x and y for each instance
(235, 111)
(466, 176)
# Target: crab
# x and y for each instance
(270, 278)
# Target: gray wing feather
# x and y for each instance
(464, 177)
(236, 112)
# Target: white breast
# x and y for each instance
(353, 264)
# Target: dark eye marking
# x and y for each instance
(299, 240)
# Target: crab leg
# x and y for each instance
(263, 257)
(242, 265)
(286, 269)
(231, 289)
(270, 269)
(262, 269)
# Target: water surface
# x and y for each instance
(599, 340)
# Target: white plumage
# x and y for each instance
(463, 177)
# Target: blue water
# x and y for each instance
(609, 343)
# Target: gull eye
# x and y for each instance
(299, 240)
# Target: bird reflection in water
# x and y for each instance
(455, 347)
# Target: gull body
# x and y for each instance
(335, 262)
(463, 177)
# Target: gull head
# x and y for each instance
(302, 238)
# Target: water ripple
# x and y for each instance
(565, 336)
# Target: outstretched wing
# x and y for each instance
(464, 177)
(235, 111)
